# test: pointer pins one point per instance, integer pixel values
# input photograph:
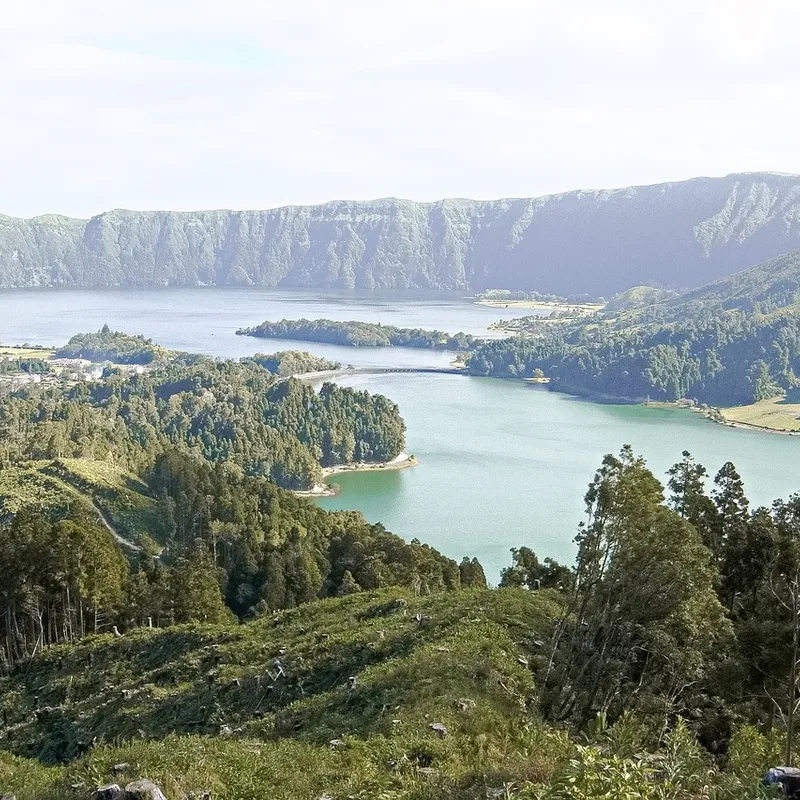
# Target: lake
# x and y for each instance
(205, 320)
(502, 463)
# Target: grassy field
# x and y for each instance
(25, 352)
(364, 679)
(776, 414)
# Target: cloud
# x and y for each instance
(255, 104)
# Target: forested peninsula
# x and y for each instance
(599, 242)
(358, 334)
(240, 413)
(733, 342)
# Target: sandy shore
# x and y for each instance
(401, 461)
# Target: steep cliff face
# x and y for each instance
(675, 234)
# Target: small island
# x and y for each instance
(359, 334)
(292, 362)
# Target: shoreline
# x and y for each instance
(747, 426)
(717, 416)
(541, 305)
(400, 461)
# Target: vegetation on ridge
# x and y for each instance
(220, 410)
(292, 362)
(169, 611)
(108, 345)
(602, 242)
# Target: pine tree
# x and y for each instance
(689, 499)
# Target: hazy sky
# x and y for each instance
(253, 103)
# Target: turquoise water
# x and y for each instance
(502, 464)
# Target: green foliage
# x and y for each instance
(527, 571)
(471, 573)
(593, 775)
(29, 780)
(292, 362)
(645, 619)
(230, 541)
(639, 297)
(731, 343)
(108, 345)
(449, 658)
(220, 410)
(194, 589)
(60, 580)
(31, 366)
(97, 487)
(358, 334)
(253, 708)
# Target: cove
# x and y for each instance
(504, 464)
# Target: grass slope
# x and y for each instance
(120, 498)
(373, 670)
(775, 413)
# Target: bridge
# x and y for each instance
(337, 373)
(384, 370)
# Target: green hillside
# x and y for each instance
(120, 499)
(652, 670)
(373, 670)
(638, 297)
(734, 342)
(765, 287)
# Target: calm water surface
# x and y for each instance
(205, 320)
(502, 464)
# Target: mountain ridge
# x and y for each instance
(396, 198)
(601, 241)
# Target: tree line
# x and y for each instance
(236, 547)
(358, 334)
(711, 355)
(678, 606)
(108, 345)
(220, 410)
(292, 362)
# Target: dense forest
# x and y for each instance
(358, 334)
(221, 545)
(170, 611)
(108, 345)
(731, 343)
(223, 411)
(292, 362)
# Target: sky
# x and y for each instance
(184, 105)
